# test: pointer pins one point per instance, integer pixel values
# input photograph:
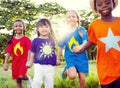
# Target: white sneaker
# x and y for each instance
(29, 82)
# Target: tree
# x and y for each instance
(52, 9)
(87, 17)
(29, 12)
(16, 9)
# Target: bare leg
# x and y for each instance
(28, 79)
(72, 73)
(19, 83)
(82, 80)
(23, 77)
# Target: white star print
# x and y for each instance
(111, 41)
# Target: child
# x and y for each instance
(18, 46)
(43, 54)
(106, 34)
(75, 63)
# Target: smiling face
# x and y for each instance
(104, 7)
(72, 18)
(18, 27)
(44, 30)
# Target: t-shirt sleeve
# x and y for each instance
(8, 48)
(61, 43)
(84, 32)
(91, 34)
(33, 48)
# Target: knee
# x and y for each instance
(72, 76)
(72, 73)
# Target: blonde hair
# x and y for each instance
(78, 17)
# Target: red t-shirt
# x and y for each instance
(107, 37)
(19, 50)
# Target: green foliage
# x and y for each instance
(87, 17)
(11, 10)
(92, 51)
(67, 83)
(3, 43)
(52, 9)
(92, 78)
(92, 81)
(17, 9)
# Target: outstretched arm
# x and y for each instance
(85, 45)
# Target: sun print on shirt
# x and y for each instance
(46, 50)
(111, 41)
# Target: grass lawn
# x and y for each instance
(6, 80)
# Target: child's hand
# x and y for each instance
(58, 62)
(28, 65)
(6, 66)
(78, 49)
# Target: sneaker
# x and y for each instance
(29, 82)
(63, 74)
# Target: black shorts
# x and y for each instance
(115, 84)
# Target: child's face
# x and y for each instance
(44, 30)
(18, 27)
(104, 7)
(71, 18)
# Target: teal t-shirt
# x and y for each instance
(71, 40)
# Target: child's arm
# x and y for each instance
(6, 61)
(59, 55)
(30, 60)
(85, 45)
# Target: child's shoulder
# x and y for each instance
(26, 37)
(38, 39)
(82, 28)
(96, 21)
(35, 39)
(99, 20)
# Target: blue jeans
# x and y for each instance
(115, 84)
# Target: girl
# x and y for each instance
(75, 63)
(18, 46)
(43, 55)
(106, 34)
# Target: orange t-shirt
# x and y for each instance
(107, 37)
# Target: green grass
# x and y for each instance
(6, 80)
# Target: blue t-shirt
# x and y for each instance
(44, 50)
(71, 40)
